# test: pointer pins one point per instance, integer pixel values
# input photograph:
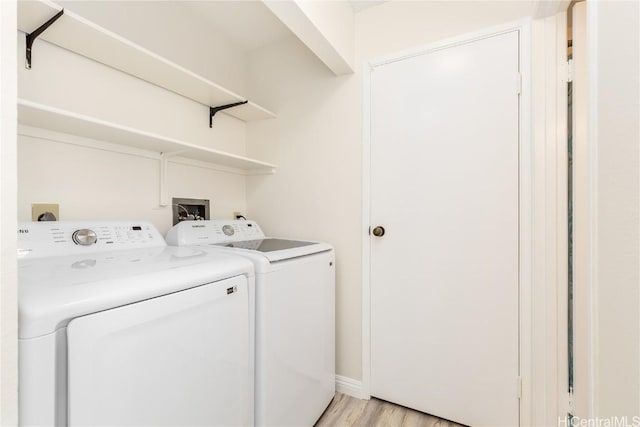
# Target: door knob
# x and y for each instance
(378, 231)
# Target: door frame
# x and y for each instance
(527, 209)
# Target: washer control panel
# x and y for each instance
(36, 239)
(213, 231)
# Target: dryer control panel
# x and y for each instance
(45, 239)
(213, 231)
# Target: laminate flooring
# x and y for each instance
(347, 411)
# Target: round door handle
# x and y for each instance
(378, 231)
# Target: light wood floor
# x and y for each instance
(348, 411)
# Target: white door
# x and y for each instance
(444, 276)
(184, 359)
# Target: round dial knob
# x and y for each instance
(84, 237)
(228, 230)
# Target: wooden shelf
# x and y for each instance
(58, 120)
(84, 37)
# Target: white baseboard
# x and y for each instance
(350, 387)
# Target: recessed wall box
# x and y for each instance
(189, 209)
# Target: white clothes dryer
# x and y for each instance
(116, 328)
(295, 316)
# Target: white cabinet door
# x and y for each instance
(183, 359)
(444, 277)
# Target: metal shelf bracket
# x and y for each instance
(31, 37)
(214, 110)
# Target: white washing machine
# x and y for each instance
(116, 328)
(295, 325)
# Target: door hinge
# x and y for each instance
(519, 387)
(569, 72)
(519, 83)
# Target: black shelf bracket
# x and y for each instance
(31, 37)
(214, 110)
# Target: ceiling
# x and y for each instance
(248, 24)
(360, 5)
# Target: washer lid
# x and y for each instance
(274, 249)
(266, 245)
(245, 237)
(53, 290)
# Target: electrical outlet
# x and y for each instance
(236, 214)
(38, 209)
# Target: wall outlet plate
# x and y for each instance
(38, 209)
(236, 214)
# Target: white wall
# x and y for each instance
(613, 32)
(90, 183)
(95, 184)
(174, 30)
(395, 26)
(72, 82)
(8, 282)
(317, 139)
(315, 193)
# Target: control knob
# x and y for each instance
(84, 237)
(228, 230)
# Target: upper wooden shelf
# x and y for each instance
(84, 37)
(55, 119)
